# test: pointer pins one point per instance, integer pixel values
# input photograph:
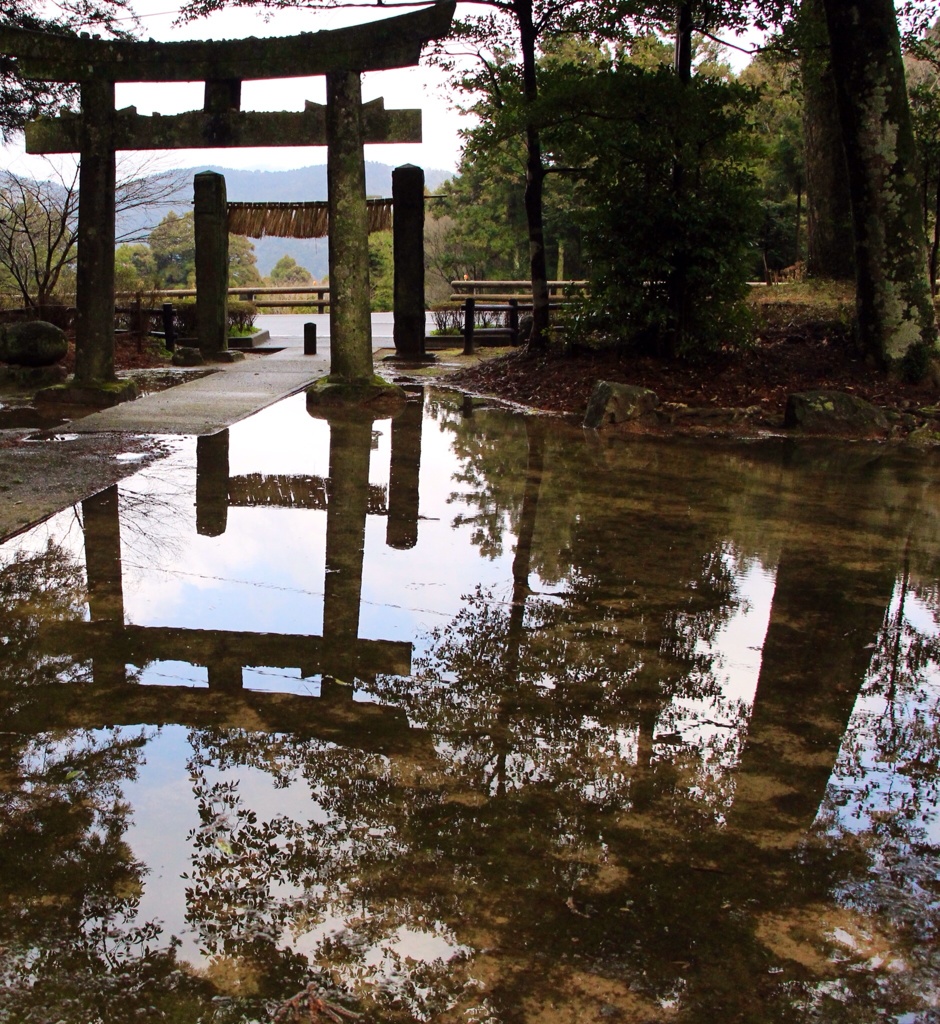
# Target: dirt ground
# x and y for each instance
(797, 347)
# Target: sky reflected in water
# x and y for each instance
(462, 715)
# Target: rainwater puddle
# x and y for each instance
(467, 716)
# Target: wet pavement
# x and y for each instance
(470, 716)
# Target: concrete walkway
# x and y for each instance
(210, 403)
(237, 390)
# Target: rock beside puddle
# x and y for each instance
(619, 403)
(835, 413)
(33, 344)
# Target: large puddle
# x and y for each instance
(469, 717)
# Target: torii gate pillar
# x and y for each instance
(350, 299)
(94, 274)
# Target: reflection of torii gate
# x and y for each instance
(339, 654)
(344, 125)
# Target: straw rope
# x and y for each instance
(297, 220)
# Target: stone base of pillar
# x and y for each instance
(333, 395)
(426, 359)
(95, 396)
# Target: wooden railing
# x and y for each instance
(248, 293)
(507, 299)
(503, 291)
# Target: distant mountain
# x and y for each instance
(301, 185)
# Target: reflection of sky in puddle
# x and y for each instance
(571, 722)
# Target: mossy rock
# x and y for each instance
(95, 396)
(612, 403)
(35, 343)
(187, 355)
(834, 412)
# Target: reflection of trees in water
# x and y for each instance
(341, 885)
(884, 797)
(36, 588)
(70, 886)
(73, 949)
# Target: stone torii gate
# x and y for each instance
(344, 125)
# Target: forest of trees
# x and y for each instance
(613, 142)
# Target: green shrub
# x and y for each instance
(241, 317)
(668, 210)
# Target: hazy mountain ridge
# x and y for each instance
(299, 185)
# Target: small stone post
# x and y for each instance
(408, 248)
(212, 473)
(94, 272)
(401, 529)
(211, 224)
(350, 300)
(101, 520)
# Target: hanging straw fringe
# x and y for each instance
(297, 220)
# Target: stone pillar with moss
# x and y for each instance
(350, 300)
(94, 273)
(408, 248)
(211, 226)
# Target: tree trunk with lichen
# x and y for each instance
(534, 181)
(896, 320)
(829, 239)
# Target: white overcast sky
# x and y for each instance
(422, 87)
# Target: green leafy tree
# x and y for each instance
(242, 262)
(288, 271)
(776, 125)
(643, 233)
(134, 268)
(381, 270)
(173, 245)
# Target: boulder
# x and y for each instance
(617, 403)
(833, 412)
(35, 343)
(186, 355)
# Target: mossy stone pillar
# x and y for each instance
(350, 300)
(408, 249)
(94, 273)
(211, 226)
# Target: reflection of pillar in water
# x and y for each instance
(402, 527)
(350, 449)
(224, 674)
(815, 658)
(102, 524)
(212, 484)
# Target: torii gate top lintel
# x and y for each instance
(375, 46)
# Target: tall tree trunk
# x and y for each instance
(829, 239)
(534, 181)
(893, 303)
(935, 242)
(677, 283)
